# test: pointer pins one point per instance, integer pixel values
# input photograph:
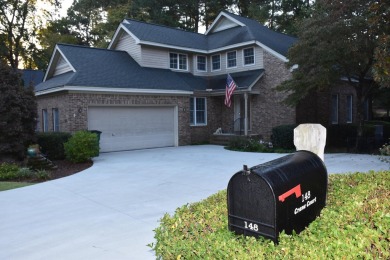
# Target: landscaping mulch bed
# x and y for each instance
(66, 168)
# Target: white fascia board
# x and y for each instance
(217, 20)
(56, 52)
(113, 90)
(173, 47)
(199, 50)
(117, 33)
(271, 51)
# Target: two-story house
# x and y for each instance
(157, 86)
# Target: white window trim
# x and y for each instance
(337, 110)
(350, 109)
(205, 57)
(212, 63)
(243, 57)
(178, 60)
(227, 60)
(195, 110)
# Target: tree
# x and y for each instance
(18, 21)
(18, 113)
(380, 18)
(336, 43)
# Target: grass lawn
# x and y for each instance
(355, 224)
(5, 185)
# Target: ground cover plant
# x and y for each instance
(355, 224)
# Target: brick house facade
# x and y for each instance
(142, 70)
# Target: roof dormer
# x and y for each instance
(223, 22)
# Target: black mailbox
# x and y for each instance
(284, 194)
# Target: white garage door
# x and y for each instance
(129, 128)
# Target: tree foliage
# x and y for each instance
(18, 113)
(337, 42)
(18, 26)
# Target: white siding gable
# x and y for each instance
(128, 44)
(62, 67)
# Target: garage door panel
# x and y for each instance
(127, 128)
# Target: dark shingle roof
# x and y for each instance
(278, 42)
(116, 69)
(32, 77)
(166, 35)
(252, 31)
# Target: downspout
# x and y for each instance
(246, 114)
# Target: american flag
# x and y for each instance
(230, 87)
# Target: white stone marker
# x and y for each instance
(310, 137)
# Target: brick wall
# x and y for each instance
(267, 108)
(73, 109)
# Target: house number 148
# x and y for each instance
(251, 226)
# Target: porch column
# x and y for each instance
(246, 114)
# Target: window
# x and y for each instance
(56, 120)
(231, 59)
(349, 108)
(44, 120)
(178, 61)
(335, 109)
(216, 60)
(201, 60)
(198, 111)
(249, 56)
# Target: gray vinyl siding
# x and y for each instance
(62, 67)
(155, 57)
(127, 43)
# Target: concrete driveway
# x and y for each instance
(109, 211)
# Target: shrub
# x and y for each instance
(8, 171)
(353, 225)
(385, 152)
(42, 175)
(245, 144)
(52, 144)
(82, 146)
(283, 136)
(25, 173)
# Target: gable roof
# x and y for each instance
(98, 69)
(238, 30)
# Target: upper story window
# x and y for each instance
(198, 111)
(216, 61)
(249, 56)
(201, 63)
(178, 61)
(231, 59)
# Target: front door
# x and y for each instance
(239, 113)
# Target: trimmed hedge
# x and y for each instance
(82, 146)
(52, 144)
(283, 136)
(355, 224)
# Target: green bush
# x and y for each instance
(245, 144)
(82, 146)
(283, 136)
(8, 171)
(354, 225)
(42, 175)
(52, 144)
